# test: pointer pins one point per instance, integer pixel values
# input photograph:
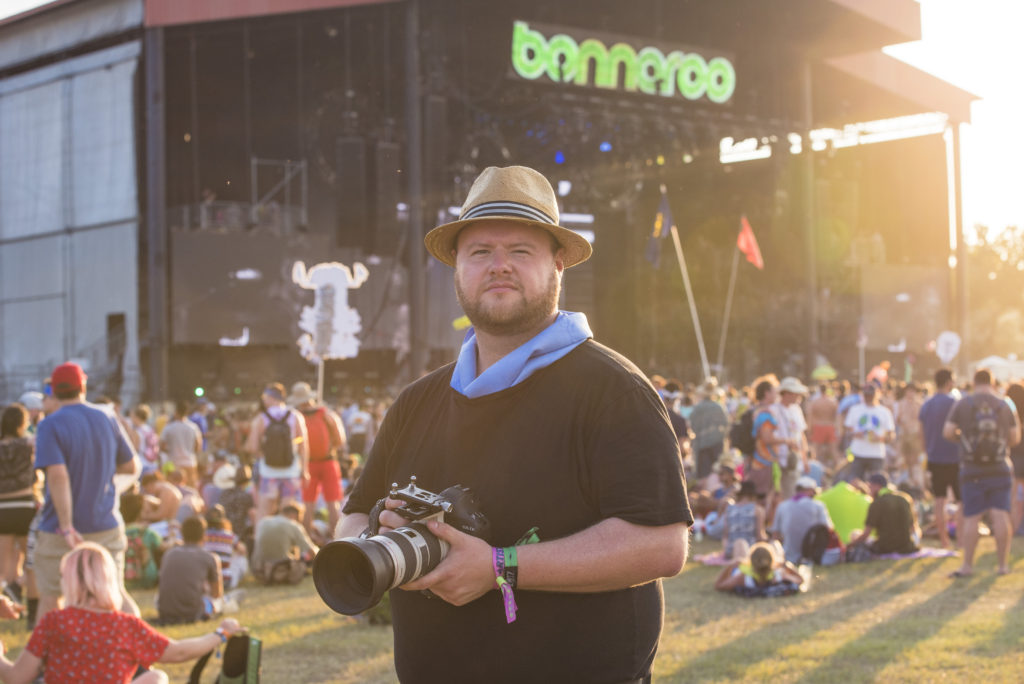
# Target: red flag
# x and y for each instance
(748, 244)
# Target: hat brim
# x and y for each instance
(440, 242)
(224, 478)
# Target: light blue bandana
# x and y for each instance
(569, 330)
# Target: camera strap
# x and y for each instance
(498, 560)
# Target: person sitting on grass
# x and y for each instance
(762, 572)
(891, 517)
(167, 495)
(144, 546)
(91, 640)
(221, 541)
(282, 549)
(191, 586)
(743, 521)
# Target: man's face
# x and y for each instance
(507, 279)
(790, 398)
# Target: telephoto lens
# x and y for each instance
(353, 574)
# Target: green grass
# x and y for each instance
(891, 621)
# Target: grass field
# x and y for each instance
(890, 621)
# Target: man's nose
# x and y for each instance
(499, 260)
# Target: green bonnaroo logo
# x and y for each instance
(647, 70)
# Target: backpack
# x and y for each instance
(983, 445)
(822, 546)
(741, 433)
(318, 432)
(241, 663)
(277, 442)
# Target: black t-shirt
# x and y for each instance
(580, 441)
(891, 515)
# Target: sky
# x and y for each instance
(973, 44)
(977, 45)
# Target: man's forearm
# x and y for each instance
(610, 555)
(60, 493)
(351, 525)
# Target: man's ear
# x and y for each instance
(560, 260)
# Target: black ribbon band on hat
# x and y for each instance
(506, 209)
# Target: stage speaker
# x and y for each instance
(387, 179)
(351, 193)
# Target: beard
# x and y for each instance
(508, 318)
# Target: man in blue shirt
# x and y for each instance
(943, 455)
(81, 447)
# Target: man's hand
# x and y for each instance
(465, 574)
(10, 610)
(388, 519)
(231, 627)
(72, 537)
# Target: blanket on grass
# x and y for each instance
(718, 558)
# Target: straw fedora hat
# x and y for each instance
(513, 193)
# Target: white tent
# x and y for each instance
(1003, 370)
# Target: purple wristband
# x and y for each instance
(498, 563)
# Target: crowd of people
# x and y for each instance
(189, 501)
(851, 472)
(591, 476)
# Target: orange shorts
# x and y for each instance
(823, 433)
(324, 474)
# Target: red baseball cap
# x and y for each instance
(68, 377)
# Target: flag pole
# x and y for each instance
(693, 307)
(320, 381)
(728, 308)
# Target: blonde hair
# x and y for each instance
(762, 560)
(88, 578)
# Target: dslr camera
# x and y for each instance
(353, 574)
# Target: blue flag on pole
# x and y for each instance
(662, 225)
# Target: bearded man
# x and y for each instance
(564, 442)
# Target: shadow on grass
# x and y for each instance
(763, 643)
(1013, 625)
(880, 645)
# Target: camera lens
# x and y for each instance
(351, 575)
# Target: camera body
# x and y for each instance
(456, 506)
(353, 574)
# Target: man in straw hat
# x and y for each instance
(555, 434)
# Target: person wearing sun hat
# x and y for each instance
(532, 406)
(794, 460)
